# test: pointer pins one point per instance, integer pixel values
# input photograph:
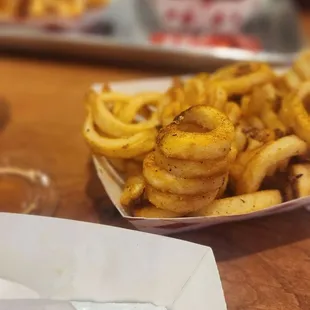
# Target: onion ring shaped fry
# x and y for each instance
(271, 155)
(182, 204)
(193, 169)
(130, 147)
(167, 182)
(212, 144)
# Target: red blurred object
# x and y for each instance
(215, 40)
(212, 16)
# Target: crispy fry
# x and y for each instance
(133, 191)
(260, 109)
(238, 166)
(241, 204)
(301, 66)
(289, 81)
(255, 122)
(300, 179)
(216, 97)
(272, 120)
(109, 124)
(270, 156)
(135, 145)
(194, 169)
(243, 77)
(170, 188)
(241, 139)
(163, 180)
(195, 91)
(295, 114)
(212, 144)
(241, 126)
(172, 103)
(233, 112)
(182, 204)
(134, 105)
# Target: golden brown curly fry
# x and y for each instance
(129, 147)
(242, 204)
(268, 157)
(214, 143)
(294, 113)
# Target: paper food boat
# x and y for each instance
(65, 260)
(113, 183)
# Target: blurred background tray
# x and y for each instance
(124, 31)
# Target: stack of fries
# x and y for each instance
(232, 142)
(43, 8)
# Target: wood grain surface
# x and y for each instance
(264, 263)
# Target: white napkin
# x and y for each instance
(112, 306)
(15, 296)
(12, 290)
(58, 305)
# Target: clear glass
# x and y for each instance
(24, 188)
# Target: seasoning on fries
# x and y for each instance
(209, 144)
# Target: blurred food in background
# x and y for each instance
(40, 8)
(253, 25)
(209, 32)
(225, 16)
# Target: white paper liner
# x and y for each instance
(113, 183)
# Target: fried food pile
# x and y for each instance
(190, 163)
(43, 8)
(232, 142)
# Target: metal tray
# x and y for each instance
(121, 33)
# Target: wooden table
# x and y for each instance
(264, 263)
